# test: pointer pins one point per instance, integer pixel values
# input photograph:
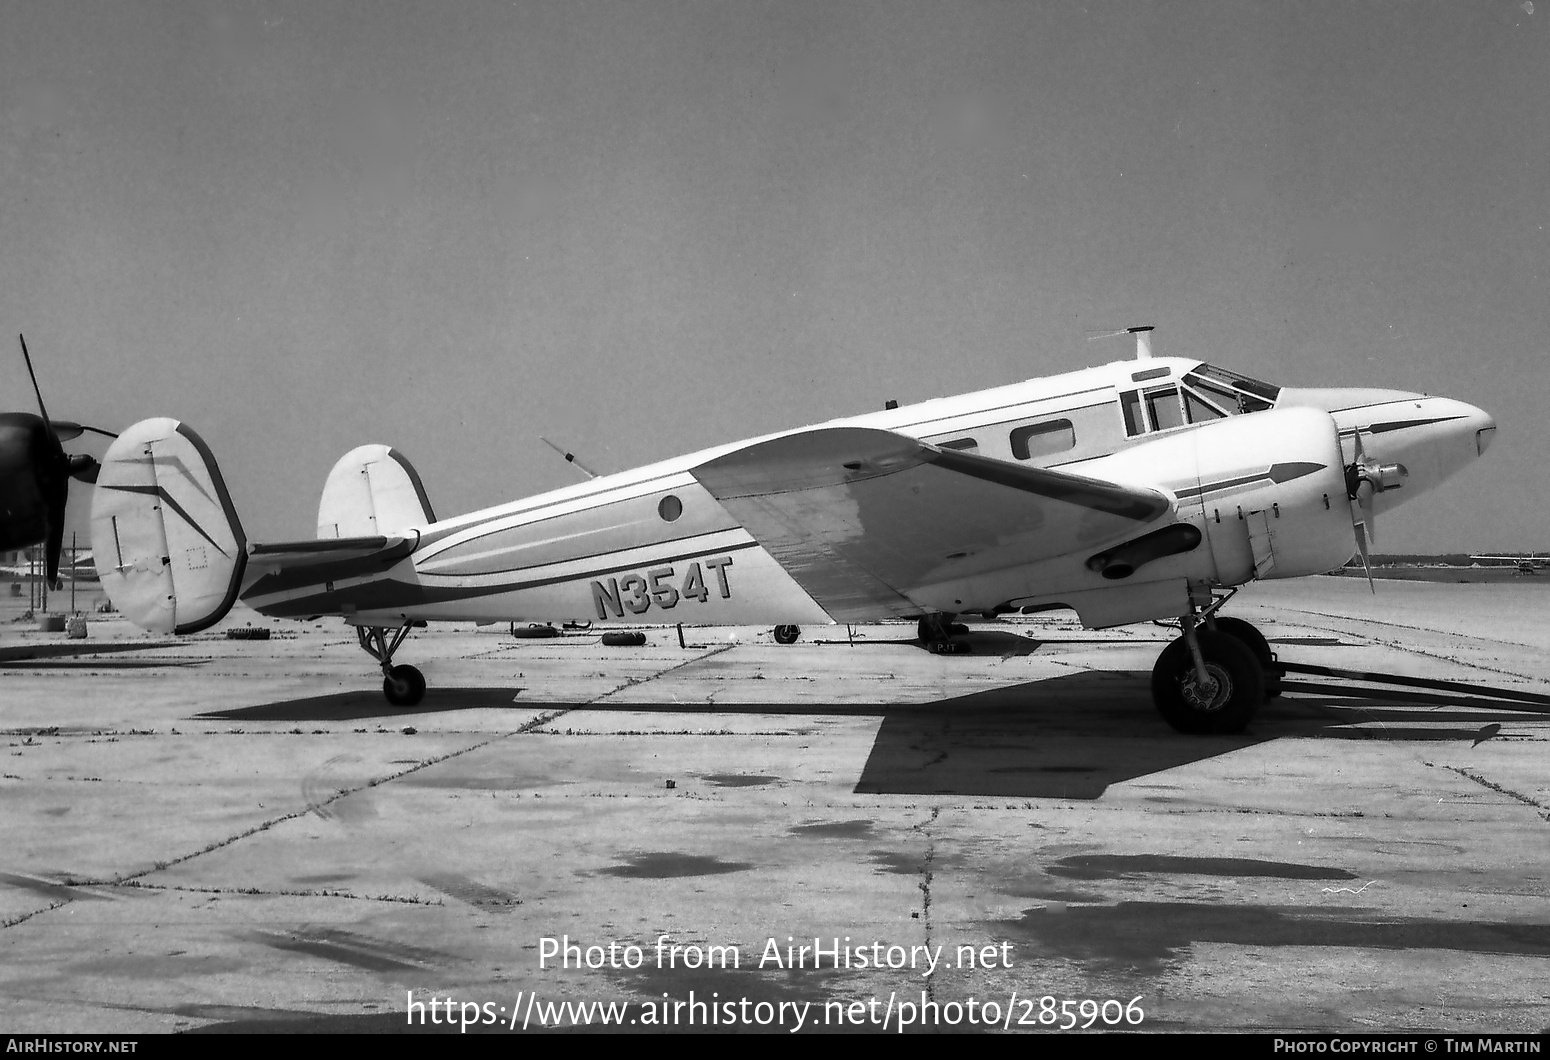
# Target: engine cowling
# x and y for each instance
(1268, 493)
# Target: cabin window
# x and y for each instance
(962, 445)
(1043, 439)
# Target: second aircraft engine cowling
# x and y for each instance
(1268, 492)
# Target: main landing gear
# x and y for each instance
(1213, 678)
(938, 630)
(404, 686)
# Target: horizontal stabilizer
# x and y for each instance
(169, 548)
(284, 572)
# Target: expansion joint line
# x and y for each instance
(131, 879)
(539, 722)
(1484, 783)
(1411, 649)
(925, 889)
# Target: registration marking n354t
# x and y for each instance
(637, 592)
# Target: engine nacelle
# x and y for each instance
(1268, 493)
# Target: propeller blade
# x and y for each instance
(1361, 546)
(1364, 494)
(34, 377)
(56, 534)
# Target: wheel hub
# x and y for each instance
(1210, 696)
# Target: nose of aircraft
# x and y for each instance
(1433, 438)
(1485, 433)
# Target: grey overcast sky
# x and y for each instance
(643, 228)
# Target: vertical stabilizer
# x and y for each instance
(165, 537)
(372, 490)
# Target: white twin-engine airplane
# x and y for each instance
(1141, 490)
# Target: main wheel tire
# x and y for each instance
(404, 686)
(1227, 706)
(787, 634)
(1250, 635)
(939, 627)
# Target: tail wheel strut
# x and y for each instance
(404, 686)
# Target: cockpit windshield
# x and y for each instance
(1227, 393)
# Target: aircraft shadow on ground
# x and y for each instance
(1068, 737)
(369, 705)
(1071, 737)
(13, 655)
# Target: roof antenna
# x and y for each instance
(569, 458)
(1143, 336)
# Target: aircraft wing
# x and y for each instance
(861, 516)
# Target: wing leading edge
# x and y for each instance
(860, 517)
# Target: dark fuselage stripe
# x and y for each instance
(439, 594)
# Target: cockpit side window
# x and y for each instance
(1130, 404)
(1231, 392)
(1164, 408)
(1151, 410)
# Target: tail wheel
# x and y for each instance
(1250, 635)
(1223, 704)
(787, 634)
(404, 686)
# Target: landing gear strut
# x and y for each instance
(404, 686)
(1207, 681)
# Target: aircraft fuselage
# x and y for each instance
(1260, 471)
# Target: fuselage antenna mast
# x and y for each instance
(1143, 341)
